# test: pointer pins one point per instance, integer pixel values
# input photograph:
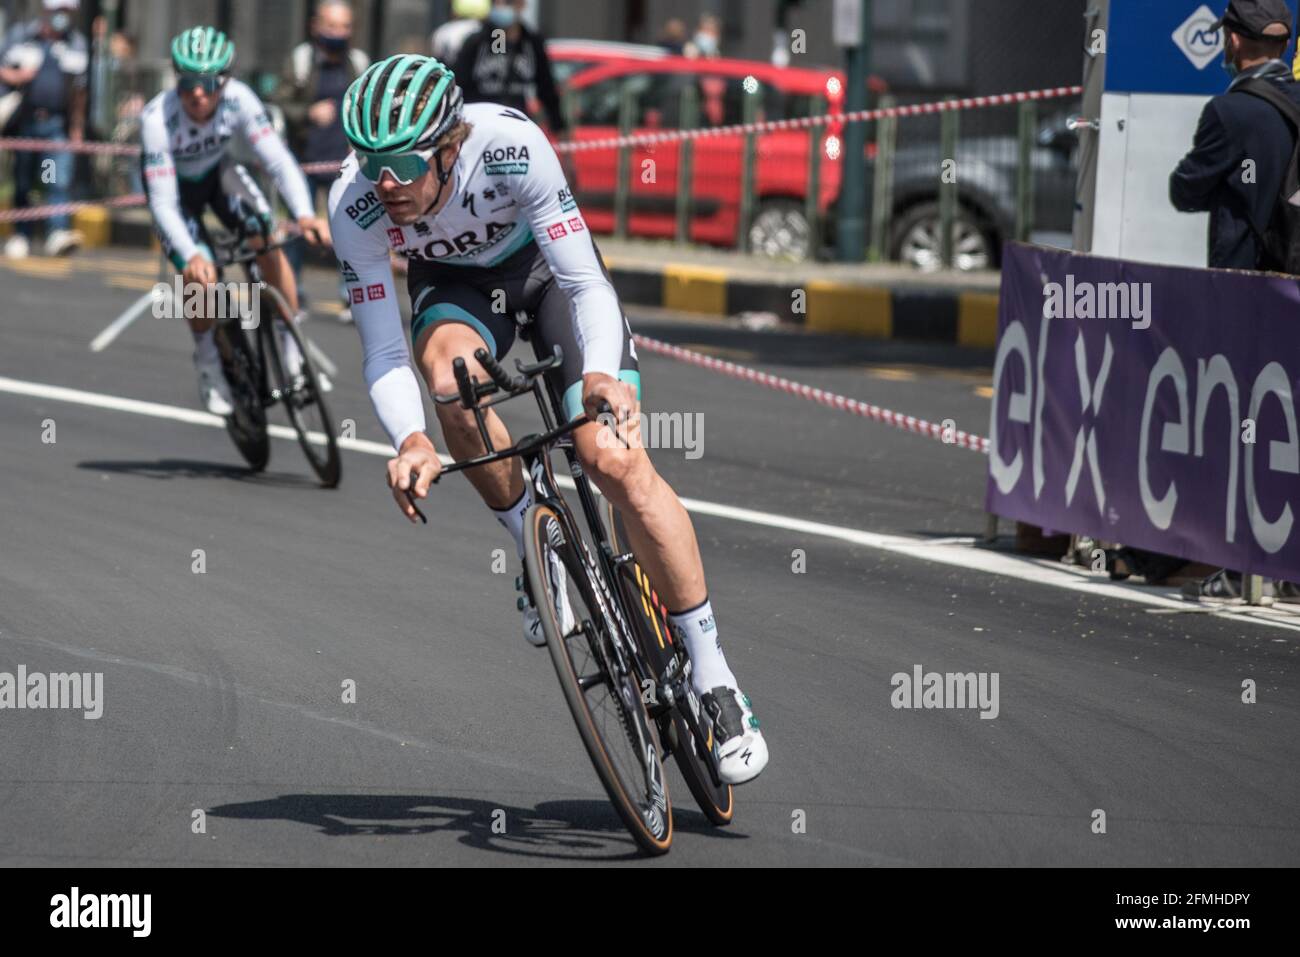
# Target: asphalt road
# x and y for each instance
(222, 690)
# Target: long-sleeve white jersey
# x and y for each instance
(176, 146)
(507, 190)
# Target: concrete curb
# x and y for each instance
(939, 313)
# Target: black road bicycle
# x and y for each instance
(626, 680)
(254, 367)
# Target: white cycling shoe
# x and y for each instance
(533, 633)
(214, 390)
(738, 745)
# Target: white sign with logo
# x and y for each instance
(1198, 39)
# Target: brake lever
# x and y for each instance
(410, 497)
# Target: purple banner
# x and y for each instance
(1149, 405)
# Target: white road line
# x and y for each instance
(946, 551)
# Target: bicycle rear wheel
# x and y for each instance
(650, 622)
(301, 398)
(602, 694)
(246, 425)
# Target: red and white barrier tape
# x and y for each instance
(27, 144)
(953, 436)
(857, 116)
(60, 209)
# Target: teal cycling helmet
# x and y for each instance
(204, 50)
(402, 104)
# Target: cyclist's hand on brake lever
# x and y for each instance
(412, 472)
(604, 397)
(199, 270)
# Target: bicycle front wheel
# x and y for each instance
(300, 395)
(246, 425)
(599, 687)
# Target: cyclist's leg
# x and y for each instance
(241, 200)
(451, 321)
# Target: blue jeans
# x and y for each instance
(29, 167)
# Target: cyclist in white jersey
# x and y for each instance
(185, 133)
(474, 197)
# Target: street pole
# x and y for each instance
(852, 233)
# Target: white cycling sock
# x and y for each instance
(513, 517)
(697, 628)
(205, 347)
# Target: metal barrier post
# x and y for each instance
(882, 187)
(690, 116)
(749, 113)
(623, 183)
(947, 185)
(1025, 171)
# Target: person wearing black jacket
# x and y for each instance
(504, 61)
(1237, 127)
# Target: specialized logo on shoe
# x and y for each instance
(505, 160)
(746, 755)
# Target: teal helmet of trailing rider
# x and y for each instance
(395, 113)
(202, 51)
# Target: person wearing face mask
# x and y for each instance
(505, 62)
(1236, 126)
(310, 93)
(447, 40)
(45, 60)
(707, 40)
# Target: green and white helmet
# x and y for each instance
(202, 50)
(401, 104)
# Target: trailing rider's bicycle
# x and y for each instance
(626, 681)
(254, 364)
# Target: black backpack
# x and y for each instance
(1281, 241)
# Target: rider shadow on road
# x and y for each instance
(193, 469)
(573, 829)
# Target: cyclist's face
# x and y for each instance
(420, 197)
(199, 104)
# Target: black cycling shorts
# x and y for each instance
(230, 191)
(486, 298)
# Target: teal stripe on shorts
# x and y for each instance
(450, 312)
(573, 394)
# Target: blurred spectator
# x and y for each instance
(673, 37)
(45, 60)
(316, 75)
(504, 61)
(707, 42)
(120, 87)
(448, 39)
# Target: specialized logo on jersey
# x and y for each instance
(567, 202)
(467, 243)
(505, 161)
(365, 210)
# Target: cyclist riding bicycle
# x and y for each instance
(474, 197)
(185, 133)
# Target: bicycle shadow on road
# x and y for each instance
(194, 469)
(571, 829)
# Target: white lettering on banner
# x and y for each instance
(1004, 473)
(1184, 435)
(1282, 457)
(1085, 443)
(1172, 439)
(1210, 375)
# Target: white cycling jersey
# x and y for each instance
(175, 146)
(507, 190)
